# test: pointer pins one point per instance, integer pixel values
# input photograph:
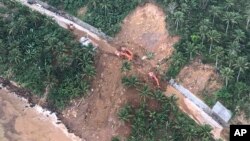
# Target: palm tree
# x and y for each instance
(230, 17)
(130, 81)
(184, 7)
(124, 113)
(232, 52)
(205, 131)
(215, 11)
(144, 92)
(203, 3)
(227, 74)
(231, 57)
(227, 18)
(89, 70)
(93, 3)
(242, 65)
(229, 4)
(178, 17)
(159, 95)
(35, 17)
(191, 48)
(239, 35)
(172, 103)
(241, 88)
(247, 17)
(219, 51)
(22, 23)
(178, 59)
(126, 66)
(105, 5)
(171, 7)
(203, 30)
(213, 36)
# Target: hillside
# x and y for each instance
(203, 45)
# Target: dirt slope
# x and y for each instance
(145, 31)
(199, 78)
(95, 118)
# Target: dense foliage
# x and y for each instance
(164, 123)
(42, 57)
(219, 32)
(106, 15)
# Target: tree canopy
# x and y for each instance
(37, 53)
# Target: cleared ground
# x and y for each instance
(144, 31)
(199, 78)
(95, 118)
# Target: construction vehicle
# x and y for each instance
(125, 53)
(155, 79)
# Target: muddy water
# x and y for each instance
(19, 122)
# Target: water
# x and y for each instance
(19, 122)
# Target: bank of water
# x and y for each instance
(20, 122)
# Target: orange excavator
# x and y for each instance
(125, 53)
(155, 79)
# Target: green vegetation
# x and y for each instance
(166, 122)
(126, 66)
(39, 54)
(222, 37)
(130, 81)
(106, 15)
(150, 55)
(216, 30)
(115, 139)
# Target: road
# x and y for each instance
(79, 30)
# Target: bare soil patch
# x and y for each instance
(143, 31)
(82, 11)
(240, 118)
(95, 117)
(199, 78)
